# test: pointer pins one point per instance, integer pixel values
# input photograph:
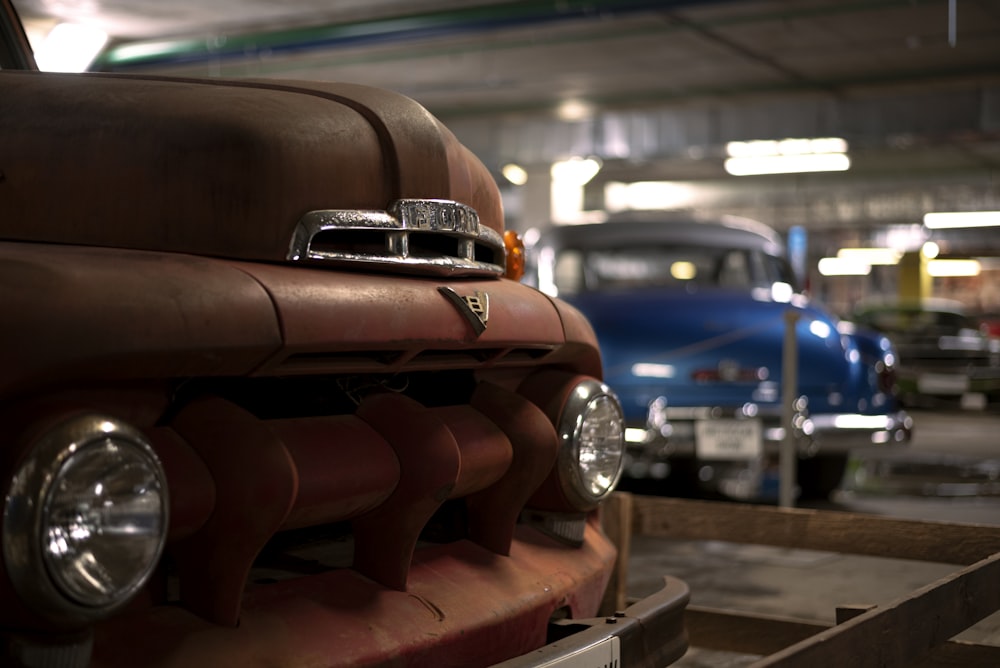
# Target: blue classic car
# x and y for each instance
(692, 317)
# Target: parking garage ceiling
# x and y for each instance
(655, 89)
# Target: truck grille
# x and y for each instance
(314, 474)
(420, 236)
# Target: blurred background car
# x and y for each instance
(691, 316)
(989, 323)
(947, 357)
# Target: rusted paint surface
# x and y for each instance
(325, 312)
(327, 451)
(193, 497)
(493, 512)
(465, 606)
(98, 313)
(384, 539)
(485, 451)
(255, 491)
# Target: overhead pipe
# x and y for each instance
(445, 23)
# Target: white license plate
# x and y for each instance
(728, 439)
(943, 383)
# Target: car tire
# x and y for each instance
(820, 476)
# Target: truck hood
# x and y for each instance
(678, 334)
(215, 167)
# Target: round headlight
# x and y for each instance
(592, 454)
(86, 519)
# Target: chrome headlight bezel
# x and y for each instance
(587, 396)
(28, 505)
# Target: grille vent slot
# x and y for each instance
(405, 360)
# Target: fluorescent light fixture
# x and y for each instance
(70, 47)
(566, 190)
(951, 219)
(939, 268)
(788, 164)
(516, 174)
(786, 156)
(871, 256)
(770, 147)
(575, 171)
(647, 195)
(837, 266)
(930, 250)
(574, 110)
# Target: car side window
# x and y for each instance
(775, 270)
(734, 270)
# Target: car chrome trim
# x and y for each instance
(823, 433)
(475, 307)
(569, 429)
(426, 236)
(649, 633)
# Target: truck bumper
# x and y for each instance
(648, 634)
(463, 607)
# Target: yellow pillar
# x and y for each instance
(914, 281)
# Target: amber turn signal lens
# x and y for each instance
(515, 255)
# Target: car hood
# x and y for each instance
(674, 334)
(216, 167)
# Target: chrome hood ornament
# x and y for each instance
(475, 307)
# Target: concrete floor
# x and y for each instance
(949, 472)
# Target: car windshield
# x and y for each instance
(671, 266)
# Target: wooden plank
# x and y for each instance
(957, 654)
(825, 530)
(745, 632)
(913, 632)
(846, 612)
(905, 632)
(762, 635)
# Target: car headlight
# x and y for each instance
(85, 519)
(592, 452)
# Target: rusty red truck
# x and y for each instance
(274, 396)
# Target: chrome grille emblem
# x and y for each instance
(475, 307)
(419, 236)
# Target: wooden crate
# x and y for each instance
(914, 631)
